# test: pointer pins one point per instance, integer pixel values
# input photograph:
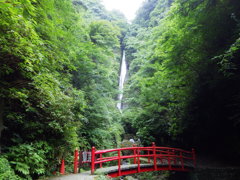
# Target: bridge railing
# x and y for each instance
(164, 156)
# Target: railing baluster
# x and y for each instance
(134, 153)
(154, 156)
(100, 160)
(138, 158)
(119, 163)
(93, 160)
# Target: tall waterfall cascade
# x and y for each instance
(123, 72)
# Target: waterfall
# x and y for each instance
(123, 73)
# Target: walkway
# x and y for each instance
(82, 176)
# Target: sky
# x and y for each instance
(127, 7)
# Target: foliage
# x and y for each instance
(59, 67)
(29, 159)
(183, 74)
(5, 170)
(102, 33)
(59, 75)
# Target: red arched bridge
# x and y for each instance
(130, 160)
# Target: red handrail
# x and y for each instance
(170, 157)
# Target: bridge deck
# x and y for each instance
(144, 167)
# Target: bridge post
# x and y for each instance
(62, 168)
(194, 157)
(138, 159)
(75, 162)
(100, 158)
(134, 152)
(93, 160)
(154, 156)
(119, 163)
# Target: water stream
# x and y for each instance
(123, 72)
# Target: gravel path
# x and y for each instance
(82, 176)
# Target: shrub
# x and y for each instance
(6, 173)
(29, 160)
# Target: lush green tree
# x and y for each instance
(183, 68)
(58, 81)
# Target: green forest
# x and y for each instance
(59, 71)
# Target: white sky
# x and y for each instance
(127, 7)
